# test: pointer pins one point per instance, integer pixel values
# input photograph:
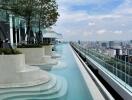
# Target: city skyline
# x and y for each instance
(99, 20)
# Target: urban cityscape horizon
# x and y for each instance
(65, 49)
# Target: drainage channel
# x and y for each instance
(106, 85)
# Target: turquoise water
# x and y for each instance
(77, 89)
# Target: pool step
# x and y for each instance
(45, 86)
(61, 64)
(11, 95)
(55, 55)
(47, 60)
(58, 90)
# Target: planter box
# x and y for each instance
(37, 56)
(11, 63)
(33, 55)
(14, 72)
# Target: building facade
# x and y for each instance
(13, 29)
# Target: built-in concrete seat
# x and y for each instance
(33, 75)
(55, 55)
(25, 83)
(44, 86)
(55, 88)
(28, 68)
(48, 60)
(59, 65)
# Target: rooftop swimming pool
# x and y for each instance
(77, 89)
(67, 82)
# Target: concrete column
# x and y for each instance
(16, 31)
(19, 31)
(16, 37)
(11, 29)
(25, 33)
(34, 36)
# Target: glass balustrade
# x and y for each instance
(116, 68)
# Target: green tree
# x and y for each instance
(40, 13)
(27, 10)
(46, 15)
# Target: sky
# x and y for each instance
(92, 20)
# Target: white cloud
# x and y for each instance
(82, 25)
(82, 2)
(91, 23)
(118, 32)
(125, 8)
(102, 31)
(86, 33)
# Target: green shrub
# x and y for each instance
(8, 51)
(29, 46)
(45, 44)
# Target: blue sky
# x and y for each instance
(95, 19)
(95, 8)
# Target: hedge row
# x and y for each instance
(8, 51)
(29, 46)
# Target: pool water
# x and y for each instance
(77, 89)
(69, 79)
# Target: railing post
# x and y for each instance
(125, 72)
(128, 71)
(116, 66)
(129, 74)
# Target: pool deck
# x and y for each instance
(92, 86)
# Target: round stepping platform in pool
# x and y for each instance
(60, 65)
(55, 55)
(46, 60)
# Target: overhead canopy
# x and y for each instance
(51, 34)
